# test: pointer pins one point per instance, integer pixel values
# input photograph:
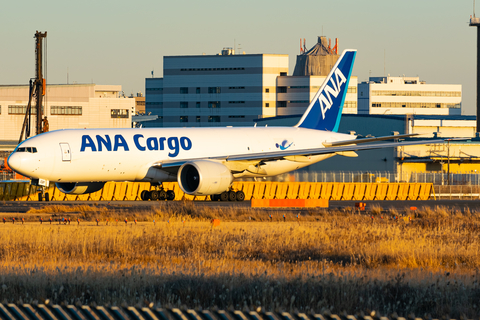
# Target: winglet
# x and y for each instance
(325, 110)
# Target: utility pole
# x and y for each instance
(37, 90)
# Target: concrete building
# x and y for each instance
(66, 107)
(216, 90)
(408, 95)
(236, 90)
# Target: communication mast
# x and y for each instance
(37, 91)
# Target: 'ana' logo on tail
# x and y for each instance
(337, 81)
(325, 110)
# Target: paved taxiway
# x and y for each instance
(24, 206)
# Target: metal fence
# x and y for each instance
(5, 175)
(436, 178)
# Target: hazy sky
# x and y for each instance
(121, 42)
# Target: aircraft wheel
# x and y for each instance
(240, 195)
(148, 195)
(143, 195)
(224, 196)
(162, 195)
(47, 196)
(155, 195)
(170, 195)
(232, 196)
(214, 197)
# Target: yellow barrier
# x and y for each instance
(316, 190)
(348, 191)
(402, 191)
(282, 191)
(382, 191)
(370, 189)
(414, 191)
(2, 191)
(337, 191)
(292, 190)
(253, 190)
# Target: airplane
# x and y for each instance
(204, 161)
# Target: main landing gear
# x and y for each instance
(155, 195)
(228, 196)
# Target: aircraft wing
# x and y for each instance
(269, 156)
(278, 155)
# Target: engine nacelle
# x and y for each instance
(204, 177)
(79, 187)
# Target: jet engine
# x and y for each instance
(204, 177)
(79, 187)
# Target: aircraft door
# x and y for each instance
(66, 155)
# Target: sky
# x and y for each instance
(120, 42)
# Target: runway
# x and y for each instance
(24, 206)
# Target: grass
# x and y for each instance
(329, 259)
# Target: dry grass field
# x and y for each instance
(327, 259)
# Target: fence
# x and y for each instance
(436, 178)
(58, 312)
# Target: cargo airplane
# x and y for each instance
(204, 161)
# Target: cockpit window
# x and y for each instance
(27, 149)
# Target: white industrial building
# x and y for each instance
(66, 106)
(408, 95)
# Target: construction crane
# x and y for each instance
(37, 91)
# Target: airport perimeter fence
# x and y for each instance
(436, 178)
(12, 311)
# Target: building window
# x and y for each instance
(183, 104)
(214, 104)
(0, 109)
(281, 104)
(352, 90)
(183, 90)
(13, 109)
(282, 89)
(236, 117)
(119, 113)
(267, 90)
(66, 110)
(236, 101)
(198, 119)
(214, 119)
(213, 89)
(283, 74)
(235, 88)
(183, 118)
(350, 104)
(197, 104)
(267, 105)
(197, 90)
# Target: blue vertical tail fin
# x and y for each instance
(325, 110)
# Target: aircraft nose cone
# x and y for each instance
(17, 163)
(14, 161)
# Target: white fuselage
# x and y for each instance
(128, 154)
